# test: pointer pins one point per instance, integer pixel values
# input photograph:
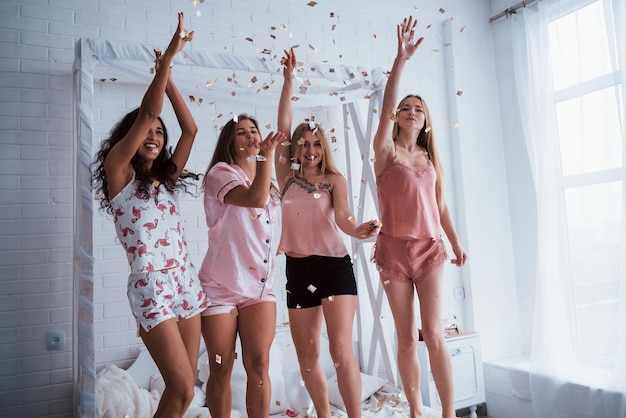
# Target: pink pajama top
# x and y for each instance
(149, 230)
(408, 202)
(239, 257)
(308, 221)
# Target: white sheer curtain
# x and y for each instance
(565, 381)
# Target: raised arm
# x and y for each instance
(118, 162)
(406, 49)
(343, 216)
(255, 196)
(285, 118)
(188, 127)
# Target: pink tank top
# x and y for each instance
(308, 220)
(408, 202)
(150, 230)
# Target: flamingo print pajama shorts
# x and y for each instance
(160, 295)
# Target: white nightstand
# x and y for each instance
(467, 368)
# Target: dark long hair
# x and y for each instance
(426, 139)
(162, 167)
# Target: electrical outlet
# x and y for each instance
(55, 340)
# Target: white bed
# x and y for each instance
(135, 392)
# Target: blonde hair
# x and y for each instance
(426, 139)
(328, 164)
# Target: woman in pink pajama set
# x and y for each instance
(138, 176)
(237, 273)
(409, 250)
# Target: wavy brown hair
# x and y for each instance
(162, 167)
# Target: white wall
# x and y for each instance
(37, 41)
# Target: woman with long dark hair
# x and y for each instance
(136, 176)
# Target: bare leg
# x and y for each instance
(257, 326)
(168, 350)
(220, 333)
(429, 292)
(339, 314)
(305, 325)
(401, 296)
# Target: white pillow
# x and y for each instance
(238, 380)
(369, 386)
(118, 395)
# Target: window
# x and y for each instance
(589, 116)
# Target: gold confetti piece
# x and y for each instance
(281, 251)
(363, 181)
(311, 288)
(313, 48)
(442, 10)
(298, 306)
(273, 36)
(253, 79)
(428, 27)
(428, 128)
(462, 29)
(255, 216)
(350, 218)
(209, 83)
(260, 383)
(261, 158)
(333, 28)
(311, 3)
(236, 355)
(198, 13)
(285, 143)
(331, 298)
(295, 99)
(233, 93)
(252, 268)
(332, 14)
(456, 124)
(249, 39)
(307, 370)
(300, 141)
(336, 365)
(234, 312)
(302, 90)
(266, 51)
(333, 139)
(459, 92)
(151, 71)
(236, 118)
(200, 100)
(386, 282)
(218, 359)
(375, 36)
(317, 195)
(295, 166)
(337, 150)
(284, 26)
(277, 403)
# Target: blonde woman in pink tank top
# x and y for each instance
(320, 278)
(409, 249)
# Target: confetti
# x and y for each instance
(218, 359)
(313, 48)
(316, 195)
(456, 124)
(375, 36)
(249, 39)
(253, 79)
(300, 142)
(311, 288)
(209, 83)
(428, 128)
(442, 10)
(462, 29)
(234, 312)
(302, 90)
(255, 216)
(336, 365)
(333, 139)
(459, 92)
(285, 143)
(236, 118)
(386, 282)
(312, 3)
(295, 166)
(261, 158)
(198, 13)
(252, 268)
(331, 298)
(233, 93)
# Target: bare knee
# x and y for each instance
(220, 374)
(257, 365)
(433, 339)
(340, 353)
(179, 395)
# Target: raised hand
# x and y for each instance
(406, 33)
(289, 63)
(179, 39)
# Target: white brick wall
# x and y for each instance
(37, 40)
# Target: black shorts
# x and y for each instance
(311, 279)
